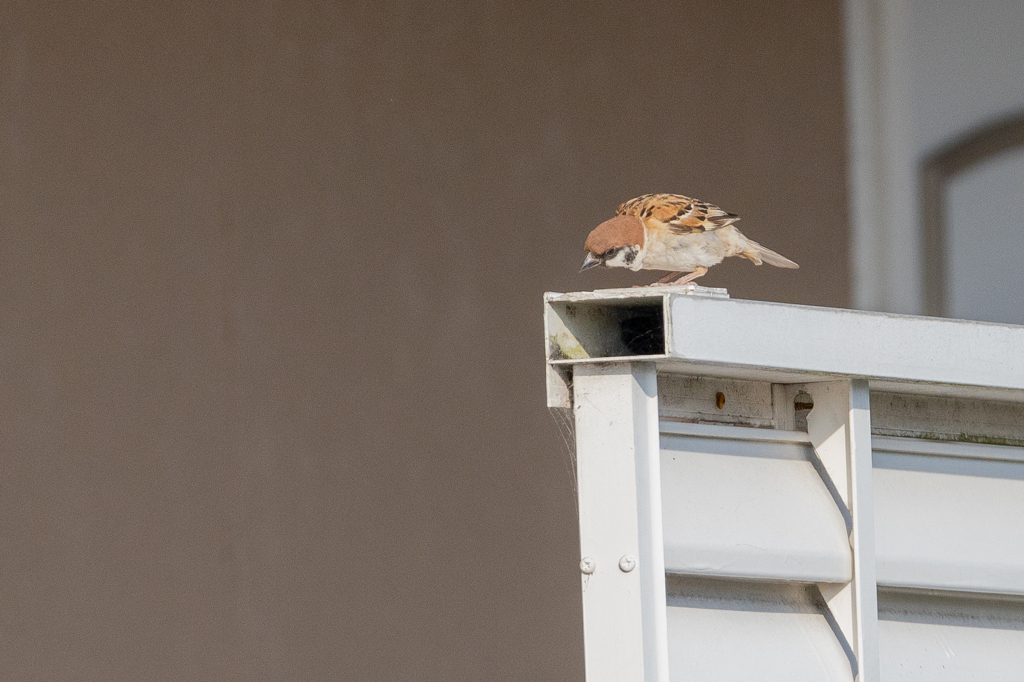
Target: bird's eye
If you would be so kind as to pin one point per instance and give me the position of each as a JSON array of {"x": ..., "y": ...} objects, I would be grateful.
[{"x": 609, "y": 253}]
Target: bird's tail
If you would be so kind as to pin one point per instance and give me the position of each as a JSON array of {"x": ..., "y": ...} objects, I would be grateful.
[{"x": 758, "y": 253}]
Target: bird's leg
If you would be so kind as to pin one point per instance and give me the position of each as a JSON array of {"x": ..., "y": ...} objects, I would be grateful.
[
  {"x": 667, "y": 278},
  {"x": 700, "y": 270}
]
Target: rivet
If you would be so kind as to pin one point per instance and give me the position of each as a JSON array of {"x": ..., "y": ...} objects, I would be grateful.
[
  {"x": 588, "y": 565},
  {"x": 627, "y": 563}
]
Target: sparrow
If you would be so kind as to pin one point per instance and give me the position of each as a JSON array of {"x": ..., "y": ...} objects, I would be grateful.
[{"x": 672, "y": 232}]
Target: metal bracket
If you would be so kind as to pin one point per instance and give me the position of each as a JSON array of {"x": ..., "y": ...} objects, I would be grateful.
[{"x": 839, "y": 426}]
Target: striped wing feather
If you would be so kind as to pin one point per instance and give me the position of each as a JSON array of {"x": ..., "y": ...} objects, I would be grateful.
[{"x": 679, "y": 214}]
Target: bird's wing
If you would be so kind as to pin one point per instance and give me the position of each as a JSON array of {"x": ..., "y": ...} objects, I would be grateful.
[{"x": 677, "y": 213}]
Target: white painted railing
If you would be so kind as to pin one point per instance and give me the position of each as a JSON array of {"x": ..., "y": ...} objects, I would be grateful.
[{"x": 779, "y": 492}]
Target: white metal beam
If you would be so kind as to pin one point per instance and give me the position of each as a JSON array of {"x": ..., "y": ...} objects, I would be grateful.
[
  {"x": 782, "y": 343},
  {"x": 621, "y": 540},
  {"x": 755, "y": 334}
]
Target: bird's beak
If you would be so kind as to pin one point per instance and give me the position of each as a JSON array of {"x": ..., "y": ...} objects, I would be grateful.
[{"x": 591, "y": 261}]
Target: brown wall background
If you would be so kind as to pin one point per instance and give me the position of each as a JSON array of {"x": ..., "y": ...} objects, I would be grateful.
[{"x": 272, "y": 400}]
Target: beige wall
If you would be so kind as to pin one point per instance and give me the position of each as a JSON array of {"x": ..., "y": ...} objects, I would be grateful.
[{"x": 272, "y": 400}]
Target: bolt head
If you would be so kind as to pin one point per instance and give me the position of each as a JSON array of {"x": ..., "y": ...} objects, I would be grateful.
[
  {"x": 627, "y": 563},
  {"x": 587, "y": 565}
]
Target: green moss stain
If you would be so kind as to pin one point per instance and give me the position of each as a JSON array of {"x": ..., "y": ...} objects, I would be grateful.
[
  {"x": 565, "y": 347},
  {"x": 952, "y": 437}
]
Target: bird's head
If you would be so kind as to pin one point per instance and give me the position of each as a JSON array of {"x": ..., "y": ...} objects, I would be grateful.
[{"x": 615, "y": 243}]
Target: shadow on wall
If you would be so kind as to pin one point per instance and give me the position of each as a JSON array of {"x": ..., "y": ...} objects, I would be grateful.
[{"x": 271, "y": 330}]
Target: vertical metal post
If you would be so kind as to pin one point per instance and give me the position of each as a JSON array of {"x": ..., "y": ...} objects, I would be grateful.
[
  {"x": 840, "y": 431},
  {"x": 621, "y": 541}
]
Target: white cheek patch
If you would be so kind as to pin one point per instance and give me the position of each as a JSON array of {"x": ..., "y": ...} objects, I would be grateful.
[
  {"x": 618, "y": 260},
  {"x": 641, "y": 251},
  {"x": 626, "y": 257}
]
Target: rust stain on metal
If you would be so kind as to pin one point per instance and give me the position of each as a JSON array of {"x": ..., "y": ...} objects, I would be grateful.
[{"x": 803, "y": 402}]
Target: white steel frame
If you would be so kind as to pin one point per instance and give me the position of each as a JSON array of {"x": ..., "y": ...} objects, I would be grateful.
[
  {"x": 623, "y": 558},
  {"x": 839, "y": 356}
]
